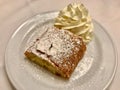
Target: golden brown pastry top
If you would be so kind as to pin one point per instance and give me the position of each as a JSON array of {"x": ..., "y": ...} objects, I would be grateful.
[
  {"x": 60, "y": 48},
  {"x": 58, "y": 43}
]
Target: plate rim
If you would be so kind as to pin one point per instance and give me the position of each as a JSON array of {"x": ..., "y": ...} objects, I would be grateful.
[{"x": 116, "y": 55}]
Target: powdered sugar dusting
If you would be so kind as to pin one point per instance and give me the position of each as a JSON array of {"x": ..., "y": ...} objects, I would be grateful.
[{"x": 57, "y": 43}]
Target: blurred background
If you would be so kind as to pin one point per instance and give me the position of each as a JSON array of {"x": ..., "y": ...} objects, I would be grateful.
[{"x": 14, "y": 12}]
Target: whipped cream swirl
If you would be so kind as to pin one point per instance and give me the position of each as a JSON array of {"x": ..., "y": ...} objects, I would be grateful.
[{"x": 75, "y": 18}]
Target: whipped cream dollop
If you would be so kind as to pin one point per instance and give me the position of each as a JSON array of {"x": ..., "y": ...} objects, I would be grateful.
[{"x": 75, "y": 18}]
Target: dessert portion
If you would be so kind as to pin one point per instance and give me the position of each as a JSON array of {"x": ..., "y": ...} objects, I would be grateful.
[
  {"x": 75, "y": 18},
  {"x": 57, "y": 50}
]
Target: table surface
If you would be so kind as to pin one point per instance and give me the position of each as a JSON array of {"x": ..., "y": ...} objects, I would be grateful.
[{"x": 15, "y": 12}]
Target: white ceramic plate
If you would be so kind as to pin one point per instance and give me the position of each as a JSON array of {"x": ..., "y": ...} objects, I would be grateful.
[{"x": 94, "y": 72}]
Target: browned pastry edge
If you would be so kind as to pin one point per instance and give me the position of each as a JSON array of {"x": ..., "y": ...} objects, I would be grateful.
[{"x": 71, "y": 62}]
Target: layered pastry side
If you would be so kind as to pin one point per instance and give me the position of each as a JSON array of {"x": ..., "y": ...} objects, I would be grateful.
[{"x": 59, "y": 51}]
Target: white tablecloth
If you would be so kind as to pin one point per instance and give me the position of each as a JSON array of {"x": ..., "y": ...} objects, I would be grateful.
[{"x": 15, "y": 12}]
